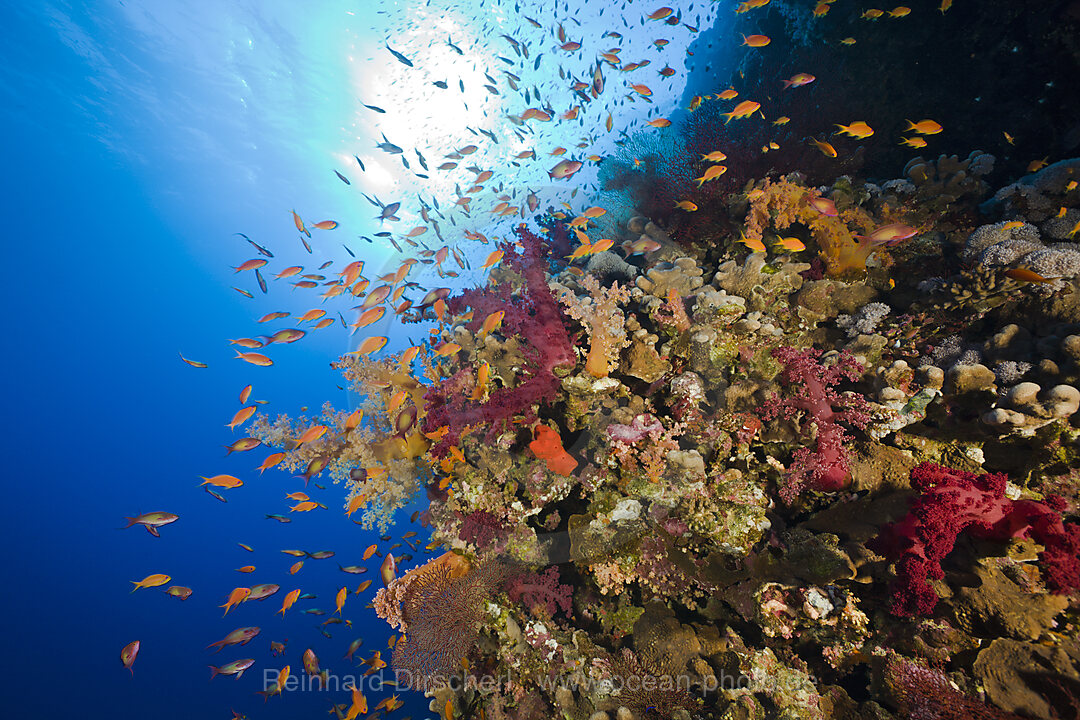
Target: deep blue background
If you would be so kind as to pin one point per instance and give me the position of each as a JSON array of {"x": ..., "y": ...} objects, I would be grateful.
[{"x": 102, "y": 419}]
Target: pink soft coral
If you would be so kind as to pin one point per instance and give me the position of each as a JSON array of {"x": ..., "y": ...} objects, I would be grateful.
[
  {"x": 812, "y": 397},
  {"x": 541, "y": 590},
  {"x": 951, "y": 501}
]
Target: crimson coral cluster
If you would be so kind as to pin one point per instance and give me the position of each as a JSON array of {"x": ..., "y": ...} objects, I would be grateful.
[
  {"x": 813, "y": 398},
  {"x": 531, "y": 313},
  {"x": 952, "y": 501}
]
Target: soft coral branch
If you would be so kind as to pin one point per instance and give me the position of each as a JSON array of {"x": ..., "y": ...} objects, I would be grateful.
[
  {"x": 952, "y": 501},
  {"x": 532, "y": 314},
  {"x": 812, "y": 397}
]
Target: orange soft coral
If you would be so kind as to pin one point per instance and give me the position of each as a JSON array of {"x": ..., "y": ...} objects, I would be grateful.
[{"x": 780, "y": 204}]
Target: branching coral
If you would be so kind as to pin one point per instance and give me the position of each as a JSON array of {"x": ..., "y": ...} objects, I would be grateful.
[
  {"x": 643, "y": 446},
  {"x": 361, "y": 448},
  {"x": 541, "y": 590},
  {"x": 781, "y": 204},
  {"x": 602, "y": 318}
]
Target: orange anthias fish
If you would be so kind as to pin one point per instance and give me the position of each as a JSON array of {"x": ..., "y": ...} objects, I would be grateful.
[
  {"x": 155, "y": 580},
  {"x": 325, "y": 225},
  {"x": 251, "y": 265},
  {"x": 299, "y": 224},
  {"x": 712, "y": 173},
  {"x": 193, "y": 363},
  {"x": 798, "y": 80},
  {"x": 359, "y": 704},
  {"x": 824, "y": 206},
  {"x": 1027, "y": 275},
  {"x": 152, "y": 521},
  {"x": 243, "y": 445},
  {"x": 289, "y": 600},
  {"x": 756, "y": 41},
  {"x": 547, "y": 445},
  {"x": 241, "y": 417},
  {"x": 270, "y": 462},
  {"x": 279, "y": 684},
  {"x": 223, "y": 481},
  {"x": 824, "y": 147},
  {"x": 754, "y": 244},
  {"x": 237, "y": 596},
  {"x": 339, "y": 601},
  {"x": 128, "y": 655},
  {"x": 255, "y": 358},
  {"x": 492, "y": 322},
  {"x": 353, "y": 647},
  {"x": 369, "y": 552},
  {"x": 743, "y": 110},
  {"x": 564, "y": 170},
  {"x": 857, "y": 129},
  {"x": 889, "y": 234},
  {"x": 492, "y": 260},
  {"x": 791, "y": 244},
  {"x": 239, "y": 636},
  {"x": 236, "y": 667},
  {"x": 371, "y": 345},
  {"x": 312, "y": 434},
  {"x": 924, "y": 127}
]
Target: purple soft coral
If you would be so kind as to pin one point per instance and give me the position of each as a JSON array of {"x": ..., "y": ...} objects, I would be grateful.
[
  {"x": 813, "y": 397},
  {"x": 541, "y": 591},
  {"x": 534, "y": 317},
  {"x": 951, "y": 501}
]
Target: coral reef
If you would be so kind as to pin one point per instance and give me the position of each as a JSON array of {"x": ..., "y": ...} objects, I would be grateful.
[{"x": 831, "y": 475}]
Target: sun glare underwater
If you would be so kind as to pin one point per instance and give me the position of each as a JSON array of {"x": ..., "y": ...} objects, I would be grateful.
[{"x": 530, "y": 360}]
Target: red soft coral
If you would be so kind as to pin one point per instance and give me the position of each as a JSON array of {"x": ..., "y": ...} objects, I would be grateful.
[
  {"x": 951, "y": 501},
  {"x": 813, "y": 398},
  {"x": 532, "y": 315}
]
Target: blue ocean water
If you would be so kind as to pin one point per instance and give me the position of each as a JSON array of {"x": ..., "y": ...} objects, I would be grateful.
[
  {"x": 153, "y": 147},
  {"x": 140, "y": 138}
]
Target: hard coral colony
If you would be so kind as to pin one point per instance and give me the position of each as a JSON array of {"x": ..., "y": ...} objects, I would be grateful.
[{"x": 814, "y": 427}]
